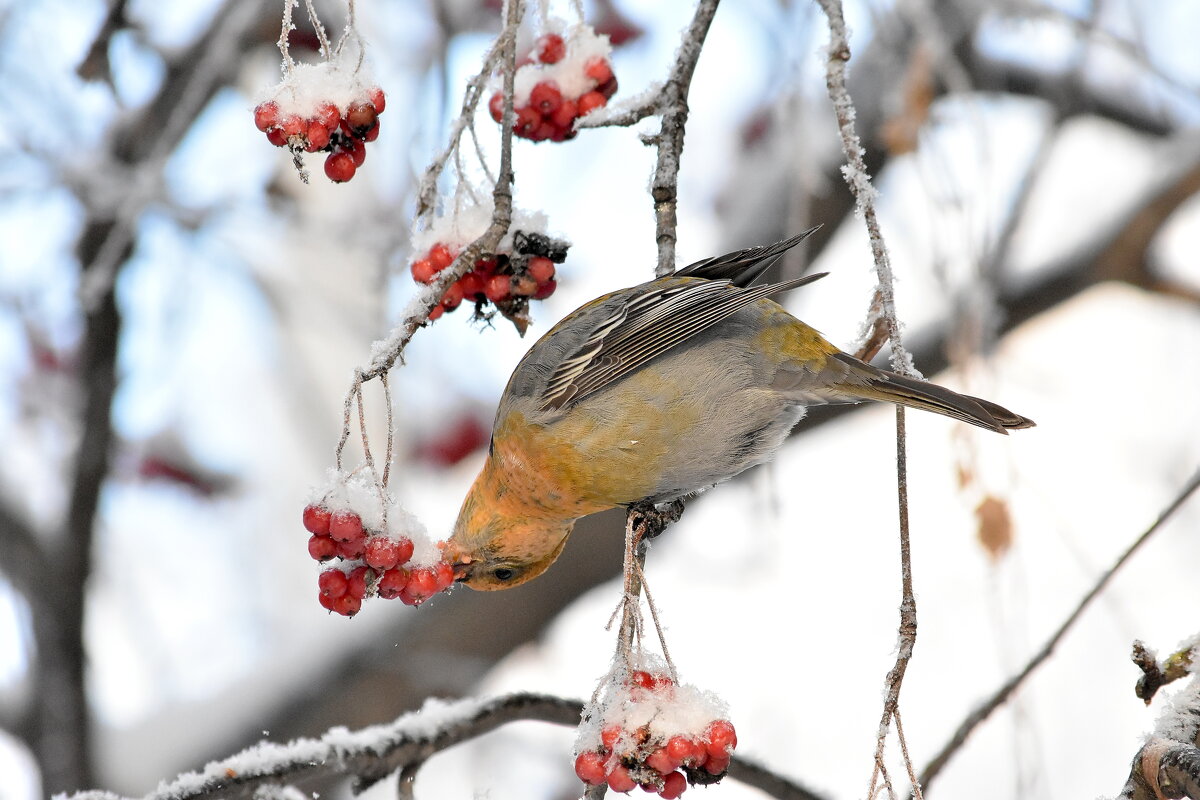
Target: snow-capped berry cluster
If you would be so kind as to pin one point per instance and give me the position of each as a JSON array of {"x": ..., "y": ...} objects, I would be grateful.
[
  {"x": 651, "y": 732},
  {"x": 522, "y": 269},
  {"x": 497, "y": 279},
  {"x": 563, "y": 78},
  {"x": 392, "y": 560},
  {"x": 320, "y": 108}
]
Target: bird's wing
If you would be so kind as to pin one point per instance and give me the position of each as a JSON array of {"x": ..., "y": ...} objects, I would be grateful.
[
  {"x": 741, "y": 267},
  {"x": 649, "y": 324}
]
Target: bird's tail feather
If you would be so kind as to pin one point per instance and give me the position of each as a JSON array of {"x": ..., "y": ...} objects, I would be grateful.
[{"x": 889, "y": 386}]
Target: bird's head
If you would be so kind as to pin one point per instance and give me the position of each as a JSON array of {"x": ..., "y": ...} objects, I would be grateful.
[{"x": 492, "y": 550}]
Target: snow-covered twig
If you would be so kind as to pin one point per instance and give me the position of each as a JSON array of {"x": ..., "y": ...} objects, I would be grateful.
[
  {"x": 1004, "y": 692},
  {"x": 664, "y": 189},
  {"x": 1175, "y": 666},
  {"x": 883, "y": 313},
  {"x": 387, "y": 351},
  {"x": 372, "y": 754}
]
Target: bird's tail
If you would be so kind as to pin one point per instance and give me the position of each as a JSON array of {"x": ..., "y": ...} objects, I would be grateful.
[{"x": 883, "y": 385}]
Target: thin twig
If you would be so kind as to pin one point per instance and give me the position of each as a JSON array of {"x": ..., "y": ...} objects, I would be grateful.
[
  {"x": 883, "y": 307},
  {"x": 1002, "y": 694},
  {"x": 664, "y": 189}
]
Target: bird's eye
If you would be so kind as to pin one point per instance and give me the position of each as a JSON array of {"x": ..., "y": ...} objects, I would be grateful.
[{"x": 504, "y": 573}]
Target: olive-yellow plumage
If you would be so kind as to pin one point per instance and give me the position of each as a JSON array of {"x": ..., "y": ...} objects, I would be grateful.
[{"x": 653, "y": 393}]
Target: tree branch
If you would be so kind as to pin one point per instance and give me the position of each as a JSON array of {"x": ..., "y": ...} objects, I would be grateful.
[
  {"x": 1002, "y": 695},
  {"x": 372, "y": 754}
]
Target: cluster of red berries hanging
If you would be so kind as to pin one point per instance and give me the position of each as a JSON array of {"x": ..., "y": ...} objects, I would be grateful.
[
  {"x": 566, "y": 75},
  {"x": 395, "y": 559},
  {"x": 507, "y": 280},
  {"x": 651, "y": 732},
  {"x": 318, "y": 109}
]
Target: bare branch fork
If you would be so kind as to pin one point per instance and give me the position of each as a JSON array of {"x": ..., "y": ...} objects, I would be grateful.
[{"x": 882, "y": 317}]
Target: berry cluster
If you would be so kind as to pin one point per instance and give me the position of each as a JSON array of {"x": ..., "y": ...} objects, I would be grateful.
[
  {"x": 342, "y": 131},
  {"x": 507, "y": 280},
  {"x": 374, "y": 564},
  {"x": 560, "y": 81},
  {"x": 660, "y": 761}
]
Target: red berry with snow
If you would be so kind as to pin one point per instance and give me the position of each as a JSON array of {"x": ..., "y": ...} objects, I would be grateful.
[
  {"x": 392, "y": 583},
  {"x": 423, "y": 271},
  {"x": 721, "y": 738},
  {"x": 551, "y": 48},
  {"x": 545, "y": 98},
  {"x": 265, "y": 116},
  {"x": 498, "y": 288},
  {"x": 378, "y": 99},
  {"x": 598, "y": 69},
  {"x": 356, "y": 581},
  {"x": 381, "y": 552},
  {"x": 333, "y": 582},
  {"x": 673, "y": 786},
  {"x": 685, "y": 750},
  {"x": 440, "y": 256},
  {"x": 340, "y": 167},
  {"x": 619, "y": 780},
  {"x": 322, "y": 548},
  {"x": 590, "y": 102},
  {"x": 591, "y": 768},
  {"x": 318, "y": 136},
  {"x": 662, "y": 761},
  {"x": 316, "y": 519},
  {"x": 345, "y": 526}
]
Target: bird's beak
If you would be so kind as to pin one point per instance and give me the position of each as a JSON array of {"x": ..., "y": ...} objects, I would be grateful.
[{"x": 459, "y": 561}]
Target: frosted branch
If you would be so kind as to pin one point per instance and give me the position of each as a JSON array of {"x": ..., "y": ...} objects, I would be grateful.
[
  {"x": 1002, "y": 695},
  {"x": 372, "y": 754},
  {"x": 883, "y": 315}
]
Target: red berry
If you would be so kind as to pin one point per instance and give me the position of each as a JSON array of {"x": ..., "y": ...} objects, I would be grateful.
[
  {"x": 372, "y": 133},
  {"x": 436, "y": 312},
  {"x": 639, "y": 677},
  {"x": 345, "y": 526},
  {"x": 550, "y": 48},
  {"x": 265, "y": 116},
  {"x": 423, "y": 584},
  {"x": 333, "y": 582},
  {"x": 340, "y": 167},
  {"x": 685, "y": 750},
  {"x": 545, "y": 97},
  {"x": 329, "y": 116},
  {"x": 523, "y": 285},
  {"x": 619, "y": 780},
  {"x": 347, "y": 605},
  {"x": 293, "y": 125},
  {"x": 498, "y": 287},
  {"x": 444, "y": 574},
  {"x": 360, "y": 117},
  {"x": 321, "y": 548},
  {"x": 590, "y": 767},
  {"x": 350, "y": 550},
  {"x": 316, "y": 519},
  {"x": 485, "y": 267},
  {"x": 566, "y": 114},
  {"x": 381, "y": 552},
  {"x": 378, "y": 99},
  {"x": 540, "y": 268},
  {"x": 356, "y": 581},
  {"x": 357, "y": 151},
  {"x": 673, "y": 786},
  {"x": 546, "y": 130},
  {"x": 545, "y": 290},
  {"x": 715, "y": 766},
  {"x": 590, "y": 102},
  {"x": 452, "y": 299},
  {"x": 598, "y": 69},
  {"x": 318, "y": 136},
  {"x": 609, "y": 87},
  {"x": 496, "y": 106},
  {"x": 392, "y": 583},
  {"x": 609, "y": 737},
  {"x": 404, "y": 550},
  {"x": 721, "y": 738},
  {"x": 440, "y": 256},
  {"x": 527, "y": 122},
  {"x": 423, "y": 271},
  {"x": 662, "y": 761},
  {"x": 471, "y": 284},
  {"x": 326, "y": 601},
  {"x": 275, "y": 136}
]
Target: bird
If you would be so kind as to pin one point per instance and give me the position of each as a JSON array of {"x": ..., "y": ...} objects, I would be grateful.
[{"x": 654, "y": 393}]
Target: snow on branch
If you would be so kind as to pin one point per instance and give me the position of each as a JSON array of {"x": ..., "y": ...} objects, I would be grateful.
[{"x": 372, "y": 754}]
